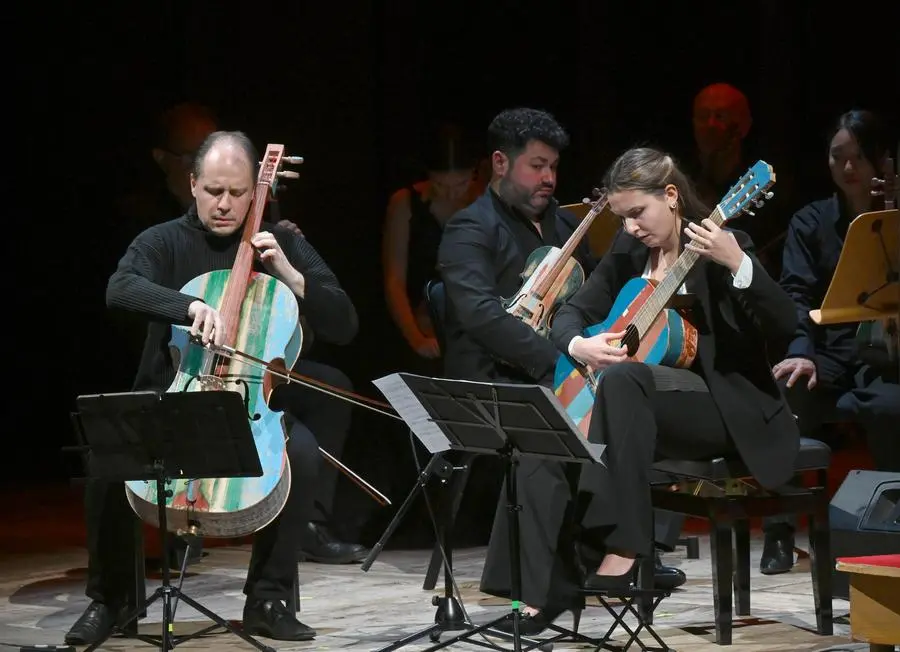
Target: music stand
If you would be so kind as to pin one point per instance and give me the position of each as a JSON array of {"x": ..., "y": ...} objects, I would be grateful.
[
  {"x": 158, "y": 437},
  {"x": 509, "y": 420},
  {"x": 866, "y": 281}
]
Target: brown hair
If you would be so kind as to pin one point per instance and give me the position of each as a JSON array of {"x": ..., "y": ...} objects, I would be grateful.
[{"x": 651, "y": 170}]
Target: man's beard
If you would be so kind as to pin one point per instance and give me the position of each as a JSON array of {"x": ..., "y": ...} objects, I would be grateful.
[{"x": 518, "y": 197}]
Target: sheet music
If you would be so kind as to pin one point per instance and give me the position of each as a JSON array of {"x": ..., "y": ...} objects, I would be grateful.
[{"x": 411, "y": 410}]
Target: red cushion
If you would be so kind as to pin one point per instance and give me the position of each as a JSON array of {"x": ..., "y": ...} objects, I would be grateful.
[{"x": 873, "y": 560}]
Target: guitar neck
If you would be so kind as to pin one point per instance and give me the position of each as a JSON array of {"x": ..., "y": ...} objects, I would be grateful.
[
  {"x": 668, "y": 287},
  {"x": 569, "y": 247}
]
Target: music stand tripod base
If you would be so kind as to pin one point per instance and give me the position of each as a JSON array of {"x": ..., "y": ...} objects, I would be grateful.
[
  {"x": 158, "y": 437},
  {"x": 507, "y": 420}
]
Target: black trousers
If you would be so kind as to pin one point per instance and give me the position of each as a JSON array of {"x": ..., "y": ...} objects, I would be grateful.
[
  {"x": 641, "y": 413},
  {"x": 273, "y": 563},
  {"x": 859, "y": 395},
  {"x": 327, "y": 417}
]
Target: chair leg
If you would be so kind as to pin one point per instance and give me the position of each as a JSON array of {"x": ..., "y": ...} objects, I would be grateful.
[
  {"x": 692, "y": 545},
  {"x": 139, "y": 598},
  {"x": 720, "y": 547},
  {"x": 742, "y": 567},
  {"x": 820, "y": 564}
]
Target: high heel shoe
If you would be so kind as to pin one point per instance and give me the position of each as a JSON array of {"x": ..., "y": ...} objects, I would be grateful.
[
  {"x": 533, "y": 624},
  {"x": 594, "y": 582}
]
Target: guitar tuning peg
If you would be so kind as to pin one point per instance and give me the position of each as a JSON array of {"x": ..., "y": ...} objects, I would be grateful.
[
  {"x": 596, "y": 192},
  {"x": 288, "y": 174},
  {"x": 750, "y": 213},
  {"x": 293, "y": 160},
  {"x": 586, "y": 200},
  {"x": 769, "y": 195}
]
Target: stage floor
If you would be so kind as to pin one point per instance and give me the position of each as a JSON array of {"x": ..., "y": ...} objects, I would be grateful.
[{"x": 41, "y": 595}]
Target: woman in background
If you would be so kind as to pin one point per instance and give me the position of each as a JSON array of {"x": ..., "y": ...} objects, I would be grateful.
[{"x": 413, "y": 225}]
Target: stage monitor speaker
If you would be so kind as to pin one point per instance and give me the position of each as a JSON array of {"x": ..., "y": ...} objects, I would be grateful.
[{"x": 864, "y": 518}]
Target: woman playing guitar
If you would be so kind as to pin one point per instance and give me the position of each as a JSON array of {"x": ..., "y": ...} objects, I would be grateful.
[{"x": 725, "y": 401}]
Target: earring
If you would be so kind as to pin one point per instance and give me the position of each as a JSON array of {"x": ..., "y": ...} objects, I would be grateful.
[{"x": 672, "y": 206}]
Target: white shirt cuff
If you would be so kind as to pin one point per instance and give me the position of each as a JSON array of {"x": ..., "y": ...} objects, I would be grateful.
[
  {"x": 744, "y": 275},
  {"x": 572, "y": 346}
]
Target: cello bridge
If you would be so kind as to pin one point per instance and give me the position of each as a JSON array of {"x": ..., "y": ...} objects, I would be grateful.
[{"x": 211, "y": 383}]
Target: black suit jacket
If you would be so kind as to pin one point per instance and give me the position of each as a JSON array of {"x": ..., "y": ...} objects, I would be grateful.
[
  {"x": 734, "y": 326},
  {"x": 482, "y": 255},
  {"x": 811, "y": 252}
]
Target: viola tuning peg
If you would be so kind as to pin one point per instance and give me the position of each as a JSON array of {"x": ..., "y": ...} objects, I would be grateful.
[{"x": 293, "y": 160}]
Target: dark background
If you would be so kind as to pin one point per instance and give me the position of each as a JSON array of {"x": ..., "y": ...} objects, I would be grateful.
[{"x": 354, "y": 87}]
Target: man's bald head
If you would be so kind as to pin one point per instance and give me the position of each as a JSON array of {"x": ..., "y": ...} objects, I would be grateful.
[{"x": 721, "y": 117}]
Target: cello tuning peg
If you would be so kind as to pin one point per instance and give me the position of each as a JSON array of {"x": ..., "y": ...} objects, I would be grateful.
[
  {"x": 288, "y": 174},
  {"x": 293, "y": 160}
]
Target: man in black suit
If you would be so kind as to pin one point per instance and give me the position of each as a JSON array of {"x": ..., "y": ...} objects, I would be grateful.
[{"x": 482, "y": 255}]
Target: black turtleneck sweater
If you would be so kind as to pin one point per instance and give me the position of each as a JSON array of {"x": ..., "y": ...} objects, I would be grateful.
[{"x": 164, "y": 257}]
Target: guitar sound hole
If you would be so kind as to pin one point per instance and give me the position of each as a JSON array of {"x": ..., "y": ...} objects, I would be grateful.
[{"x": 632, "y": 340}]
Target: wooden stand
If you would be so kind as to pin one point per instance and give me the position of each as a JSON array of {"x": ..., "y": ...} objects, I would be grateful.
[{"x": 874, "y": 600}]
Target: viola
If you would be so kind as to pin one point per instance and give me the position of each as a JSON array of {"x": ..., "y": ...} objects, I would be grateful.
[
  {"x": 261, "y": 317},
  {"x": 551, "y": 276},
  {"x": 654, "y": 332}
]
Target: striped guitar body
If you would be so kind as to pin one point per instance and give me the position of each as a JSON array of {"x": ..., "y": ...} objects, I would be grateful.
[
  {"x": 670, "y": 341},
  {"x": 233, "y": 507}
]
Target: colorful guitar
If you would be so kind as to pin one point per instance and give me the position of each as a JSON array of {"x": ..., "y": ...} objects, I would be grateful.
[
  {"x": 551, "y": 276},
  {"x": 654, "y": 333}
]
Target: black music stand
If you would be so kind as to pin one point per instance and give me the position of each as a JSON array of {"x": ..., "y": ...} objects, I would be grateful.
[
  {"x": 162, "y": 436},
  {"x": 508, "y": 420}
]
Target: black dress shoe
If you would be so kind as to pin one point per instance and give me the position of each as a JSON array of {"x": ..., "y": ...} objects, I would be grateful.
[
  {"x": 271, "y": 618},
  {"x": 667, "y": 577},
  {"x": 93, "y": 625},
  {"x": 319, "y": 545},
  {"x": 778, "y": 550},
  {"x": 534, "y": 624},
  {"x": 599, "y": 583}
]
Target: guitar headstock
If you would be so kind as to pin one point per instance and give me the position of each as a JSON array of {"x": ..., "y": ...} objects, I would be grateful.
[
  {"x": 751, "y": 189},
  {"x": 271, "y": 167}
]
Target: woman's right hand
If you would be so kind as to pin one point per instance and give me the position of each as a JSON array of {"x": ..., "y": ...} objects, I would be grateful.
[{"x": 600, "y": 351}]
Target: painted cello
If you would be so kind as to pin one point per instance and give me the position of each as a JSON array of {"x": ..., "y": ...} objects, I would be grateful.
[
  {"x": 551, "y": 276},
  {"x": 261, "y": 316},
  {"x": 654, "y": 333}
]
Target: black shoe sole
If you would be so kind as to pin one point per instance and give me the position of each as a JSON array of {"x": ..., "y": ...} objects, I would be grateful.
[{"x": 265, "y": 631}]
